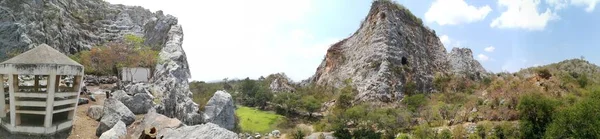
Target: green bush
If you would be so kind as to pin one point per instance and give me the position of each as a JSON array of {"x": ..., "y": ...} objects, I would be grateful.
[
  {"x": 535, "y": 112},
  {"x": 342, "y": 133},
  {"x": 445, "y": 134},
  {"x": 299, "y": 133},
  {"x": 577, "y": 121},
  {"x": 414, "y": 102},
  {"x": 423, "y": 132}
]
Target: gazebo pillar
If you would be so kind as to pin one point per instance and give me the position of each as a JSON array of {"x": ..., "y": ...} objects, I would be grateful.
[
  {"x": 51, "y": 88},
  {"x": 2, "y": 99},
  {"x": 11, "y": 92}
]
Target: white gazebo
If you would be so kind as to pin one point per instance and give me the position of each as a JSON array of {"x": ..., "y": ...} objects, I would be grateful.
[{"x": 34, "y": 102}]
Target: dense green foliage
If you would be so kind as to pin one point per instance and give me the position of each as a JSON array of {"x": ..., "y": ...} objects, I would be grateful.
[
  {"x": 577, "y": 121},
  {"x": 253, "y": 94},
  {"x": 536, "y": 114}
]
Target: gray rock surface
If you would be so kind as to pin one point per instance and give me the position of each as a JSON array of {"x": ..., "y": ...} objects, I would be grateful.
[
  {"x": 75, "y": 25},
  {"x": 139, "y": 103},
  {"x": 390, "y": 49},
  {"x": 321, "y": 135},
  {"x": 114, "y": 111},
  {"x": 95, "y": 112},
  {"x": 280, "y": 83},
  {"x": 136, "y": 88},
  {"x": 462, "y": 62},
  {"x": 153, "y": 119},
  {"x": 116, "y": 132},
  {"x": 220, "y": 110},
  {"x": 170, "y": 81},
  {"x": 203, "y": 131}
]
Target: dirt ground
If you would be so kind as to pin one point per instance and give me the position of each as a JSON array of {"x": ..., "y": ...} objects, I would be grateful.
[{"x": 84, "y": 127}]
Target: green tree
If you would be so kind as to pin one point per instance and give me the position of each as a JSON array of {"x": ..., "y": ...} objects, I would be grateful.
[
  {"x": 254, "y": 95},
  {"x": 310, "y": 104},
  {"x": 577, "y": 121},
  {"x": 535, "y": 114}
]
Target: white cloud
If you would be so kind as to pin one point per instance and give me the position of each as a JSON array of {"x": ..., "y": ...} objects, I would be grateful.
[
  {"x": 523, "y": 14},
  {"x": 490, "y": 49},
  {"x": 246, "y": 39},
  {"x": 452, "y": 12},
  {"x": 591, "y": 4},
  {"x": 483, "y": 57},
  {"x": 557, "y": 4},
  {"x": 448, "y": 43}
]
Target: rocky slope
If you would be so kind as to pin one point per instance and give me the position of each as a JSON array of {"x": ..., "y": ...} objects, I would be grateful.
[
  {"x": 462, "y": 62},
  {"x": 391, "y": 50},
  {"x": 75, "y": 25}
]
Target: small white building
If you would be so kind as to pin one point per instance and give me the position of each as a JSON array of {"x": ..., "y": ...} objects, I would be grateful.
[
  {"x": 136, "y": 74},
  {"x": 41, "y": 107}
]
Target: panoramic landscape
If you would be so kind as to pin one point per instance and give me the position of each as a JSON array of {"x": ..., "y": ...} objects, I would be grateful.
[{"x": 295, "y": 69}]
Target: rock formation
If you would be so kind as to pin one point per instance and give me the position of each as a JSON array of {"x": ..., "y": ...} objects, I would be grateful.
[
  {"x": 203, "y": 131},
  {"x": 220, "y": 110},
  {"x": 462, "y": 62},
  {"x": 280, "y": 83},
  {"x": 114, "y": 111},
  {"x": 139, "y": 103},
  {"x": 75, "y": 25},
  {"x": 117, "y": 132},
  {"x": 153, "y": 119},
  {"x": 391, "y": 49},
  {"x": 95, "y": 112},
  {"x": 170, "y": 81}
]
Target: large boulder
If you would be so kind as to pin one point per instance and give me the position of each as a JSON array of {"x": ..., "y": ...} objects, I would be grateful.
[
  {"x": 203, "y": 131},
  {"x": 153, "y": 119},
  {"x": 136, "y": 88},
  {"x": 114, "y": 111},
  {"x": 138, "y": 104},
  {"x": 220, "y": 110},
  {"x": 117, "y": 132},
  {"x": 95, "y": 112},
  {"x": 170, "y": 81}
]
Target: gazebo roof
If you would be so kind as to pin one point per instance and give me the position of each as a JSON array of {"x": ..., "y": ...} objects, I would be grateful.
[{"x": 42, "y": 54}]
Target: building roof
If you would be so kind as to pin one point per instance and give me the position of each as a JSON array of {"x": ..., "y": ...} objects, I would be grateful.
[{"x": 42, "y": 54}]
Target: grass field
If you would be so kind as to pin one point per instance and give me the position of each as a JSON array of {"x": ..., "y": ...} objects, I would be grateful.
[{"x": 253, "y": 120}]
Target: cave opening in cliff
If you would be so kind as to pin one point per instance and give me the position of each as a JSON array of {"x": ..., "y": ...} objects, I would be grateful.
[
  {"x": 404, "y": 61},
  {"x": 382, "y": 15}
]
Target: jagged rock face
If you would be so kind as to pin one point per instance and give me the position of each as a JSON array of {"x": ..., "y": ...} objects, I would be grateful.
[
  {"x": 114, "y": 111},
  {"x": 170, "y": 81},
  {"x": 75, "y": 25},
  {"x": 139, "y": 103},
  {"x": 153, "y": 119},
  {"x": 203, "y": 131},
  {"x": 390, "y": 49},
  {"x": 220, "y": 110},
  {"x": 280, "y": 83},
  {"x": 462, "y": 62},
  {"x": 116, "y": 132}
]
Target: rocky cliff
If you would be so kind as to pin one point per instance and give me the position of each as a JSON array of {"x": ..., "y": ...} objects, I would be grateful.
[
  {"x": 74, "y": 25},
  {"x": 462, "y": 63},
  {"x": 390, "y": 54},
  {"x": 390, "y": 49}
]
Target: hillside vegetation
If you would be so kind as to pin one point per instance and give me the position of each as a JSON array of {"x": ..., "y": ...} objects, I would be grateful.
[{"x": 537, "y": 102}]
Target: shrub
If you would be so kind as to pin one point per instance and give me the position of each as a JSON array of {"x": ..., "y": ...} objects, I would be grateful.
[
  {"x": 445, "y": 134},
  {"x": 544, "y": 73},
  {"x": 364, "y": 133},
  {"x": 424, "y": 132},
  {"x": 414, "y": 102},
  {"x": 459, "y": 132},
  {"x": 535, "y": 114},
  {"x": 299, "y": 133},
  {"x": 577, "y": 121},
  {"x": 342, "y": 133}
]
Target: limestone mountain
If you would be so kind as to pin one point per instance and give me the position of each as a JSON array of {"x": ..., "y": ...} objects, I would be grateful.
[
  {"x": 75, "y": 25},
  {"x": 390, "y": 55},
  {"x": 462, "y": 62}
]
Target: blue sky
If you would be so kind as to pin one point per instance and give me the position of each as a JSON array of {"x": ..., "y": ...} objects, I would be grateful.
[{"x": 240, "y": 38}]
